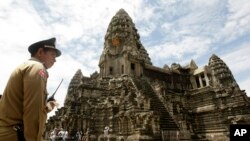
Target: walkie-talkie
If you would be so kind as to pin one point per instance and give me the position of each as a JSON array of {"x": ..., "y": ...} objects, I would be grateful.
[{"x": 52, "y": 97}]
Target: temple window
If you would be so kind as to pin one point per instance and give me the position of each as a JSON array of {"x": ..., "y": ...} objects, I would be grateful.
[
  {"x": 122, "y": 69},
  {"x": 132, "y": 66},
  {"x": 197, "y": 82},
  {"x": 203, "y": 79},
  {"x": 111, "y": 70}
]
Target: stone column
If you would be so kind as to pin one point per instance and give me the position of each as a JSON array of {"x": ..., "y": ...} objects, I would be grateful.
[
  {"x": 206, "y": 78},
  {"x": 193, "y": 81},
  {"x": 200, "y": 81},
  {"x": 126, "y": 65}
]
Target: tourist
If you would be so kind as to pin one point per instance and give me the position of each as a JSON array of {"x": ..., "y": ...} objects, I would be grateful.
[
  {"x": 23, "y": 105},
  {"x": 79, "y": 135},
  {"x": 53, "y": 134},
  {"x": 86, "y": 135},
  {"x": 65, "y": 135},
  {"x": 106, "y": 133},
  {"x": 61, "y": 133}
]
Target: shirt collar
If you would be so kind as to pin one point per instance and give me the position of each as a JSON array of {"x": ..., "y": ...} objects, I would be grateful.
[{"x": 35, "y": 59}]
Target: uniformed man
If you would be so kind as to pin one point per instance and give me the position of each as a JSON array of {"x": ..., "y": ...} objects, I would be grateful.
[{"x": 24, "y": 105}]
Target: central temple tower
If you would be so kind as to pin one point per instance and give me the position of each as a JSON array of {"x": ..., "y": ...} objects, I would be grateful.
[{"x": 123, "y": 52}]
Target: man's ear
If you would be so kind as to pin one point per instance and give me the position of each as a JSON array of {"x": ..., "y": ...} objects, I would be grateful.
[{"x": 40, "y": 51}]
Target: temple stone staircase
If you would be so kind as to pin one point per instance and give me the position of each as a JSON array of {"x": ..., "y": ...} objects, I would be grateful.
[{"x": 166, "y": 121}]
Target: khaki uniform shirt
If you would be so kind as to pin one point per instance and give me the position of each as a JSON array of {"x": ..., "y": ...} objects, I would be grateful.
[{"x": 24, "y": 102}]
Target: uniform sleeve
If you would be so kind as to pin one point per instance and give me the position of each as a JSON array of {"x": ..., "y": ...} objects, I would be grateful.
[{"x": 34, "y": 114}]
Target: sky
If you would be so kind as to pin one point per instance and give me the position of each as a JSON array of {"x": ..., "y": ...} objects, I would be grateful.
[{"x": 172, "y": 31}]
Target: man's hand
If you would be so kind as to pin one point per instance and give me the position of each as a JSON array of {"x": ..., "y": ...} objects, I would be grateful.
[{"x": 51, "y": 105}]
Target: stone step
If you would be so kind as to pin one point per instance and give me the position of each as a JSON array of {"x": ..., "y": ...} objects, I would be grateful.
[{"x": 166, "y": 121}]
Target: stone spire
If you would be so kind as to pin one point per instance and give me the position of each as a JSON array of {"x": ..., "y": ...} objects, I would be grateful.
[
  {"x": 73, "y": 86},
  {"x": 122, "y": 37},
  {"x": 221, "y": 74},
  {"x": 122, "y": 41}
]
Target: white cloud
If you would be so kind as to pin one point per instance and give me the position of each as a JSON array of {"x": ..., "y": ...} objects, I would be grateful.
[
  {"x": 244, "y": 85},
  {"x": 238, "y": 59},
  {"x": 238, "y": 20},
  {"x": 238, "y": 9},
  {"x": 9, "y": 60},
  {"x": 177, "y": 50}
]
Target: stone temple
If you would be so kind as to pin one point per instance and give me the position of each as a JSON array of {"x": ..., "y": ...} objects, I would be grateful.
[{"x": 138, "y": 101}]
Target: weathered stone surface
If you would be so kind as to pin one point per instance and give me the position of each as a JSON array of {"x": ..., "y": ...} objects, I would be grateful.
[{"x": 141, "y": 102}]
